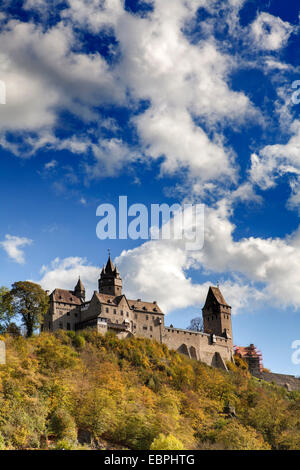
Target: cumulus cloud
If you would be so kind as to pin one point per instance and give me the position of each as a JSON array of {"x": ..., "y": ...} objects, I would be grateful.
[
  {"x": 13, "y": 246},
  {"x": 262, "y": 269},
  {"x": 270, "y": 32},
  {"x": 274, "y": 161},
  {"x": 64, "y": 273},
  {"x": 252, "y": 270},
  {"x": 184, "y": 83},
  {"x": 43, "y": 76}
]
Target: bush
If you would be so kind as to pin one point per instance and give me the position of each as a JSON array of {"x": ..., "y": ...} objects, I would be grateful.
[
  {"x": 79, "y": 342},
  {"x": 169, "y": 442},
  {"x": 62, "y": 425}
]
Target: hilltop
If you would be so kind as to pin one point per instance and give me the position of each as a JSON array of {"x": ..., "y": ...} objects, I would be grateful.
[{"x": 71, "y": 391}]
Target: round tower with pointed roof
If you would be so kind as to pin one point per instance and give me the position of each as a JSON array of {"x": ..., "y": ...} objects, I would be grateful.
[
  {"x": 110, "y": 281},
  {"x": 79, "y": 290}
]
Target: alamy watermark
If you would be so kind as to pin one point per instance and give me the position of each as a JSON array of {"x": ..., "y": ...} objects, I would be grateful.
[
  {"x": 163, "y": 222},
  {"x": 296, "y": 354},
  {"x": 296, "y": 94},
  {"x": 2, "y": 92}
]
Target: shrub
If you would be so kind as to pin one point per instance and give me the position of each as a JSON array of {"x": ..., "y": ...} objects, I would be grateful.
[{"x": 169, "y": 442}]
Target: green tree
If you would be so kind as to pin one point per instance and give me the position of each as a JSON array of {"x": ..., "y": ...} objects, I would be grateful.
[
  {"x": 31, "y": 302},
  {"x": 7, "y": 311},
  {"x": 169, "y": 442}
]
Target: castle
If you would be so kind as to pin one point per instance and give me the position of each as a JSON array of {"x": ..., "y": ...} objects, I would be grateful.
[{"x": 109, "y": 309}]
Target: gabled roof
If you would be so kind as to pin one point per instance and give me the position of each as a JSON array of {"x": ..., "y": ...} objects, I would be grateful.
[
  {"x": 110, "y": 299},
  {"x": 215, "y": 295},
  {"x": 147, "y": 307},
  {"x": 136, "y": 305},
  {"x": 66, "y": 296}
]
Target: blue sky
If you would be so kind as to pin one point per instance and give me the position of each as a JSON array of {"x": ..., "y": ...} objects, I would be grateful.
[{"x": 189, "y": 103}]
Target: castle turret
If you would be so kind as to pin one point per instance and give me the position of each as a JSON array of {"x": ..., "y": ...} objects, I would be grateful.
[
  {"x": 217, "y": 314},
  {"x": 79, "y": 290},
  {"x": 110, "y": 281}
]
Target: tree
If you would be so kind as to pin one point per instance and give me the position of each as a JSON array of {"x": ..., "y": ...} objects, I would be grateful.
[
  {"x": 169, "y": 442},
  {"x": 196, "y": 324},
  {"x": 7, "y": 311},
  {"x": 31, "y": 302}
]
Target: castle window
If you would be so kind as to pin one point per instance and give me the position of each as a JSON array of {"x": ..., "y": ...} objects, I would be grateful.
[
  {"x": 107, "y": 309},
  {"x": 151, "y": 329},
  {"x": 68, "y": 326},
  {"x": 146, "y": 317},
  {"x": 145, "y": 327},
  {"x": 68, "y": 314},
  {"x": 127, "y": 314},
  {"x": 115, "y": 311},
  {"x": 60, "y": 324},
  {"x": 121, "y": 312},
  {"x": 135, "y": 315}
]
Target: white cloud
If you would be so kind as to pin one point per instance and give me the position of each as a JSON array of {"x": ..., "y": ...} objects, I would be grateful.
[
  {"x": 270, "y": 32},
  {"x": 274, "y": 161},
  {"x": 182, "y": 80},
  {"x": 50, "y": 165},
  {"x": 43, "y": 76},
  {"x": 63, "y": 274},
  {"x": 185, "y": 83},
  {"x": 110, "y": 157},
  {"x": 13, "y": 246},
  {"x": 261, "y": 270}
]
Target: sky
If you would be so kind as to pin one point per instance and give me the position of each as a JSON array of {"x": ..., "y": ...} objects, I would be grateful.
[{"x": 188, "y": 102}]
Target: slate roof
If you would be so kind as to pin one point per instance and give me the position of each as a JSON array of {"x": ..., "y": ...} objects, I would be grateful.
[
  {"x": 66, "y": 296},
  {"x": 79, "y": 286},
  {"x": 218, "y": 295},
  {"x": 136, "y": 305}
]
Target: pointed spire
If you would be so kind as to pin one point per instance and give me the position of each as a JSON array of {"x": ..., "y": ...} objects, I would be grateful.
[
  {"x": 79, "y": 286},
  {"x": 109, "y": 266},
  {"x": 79, "y": 290}
]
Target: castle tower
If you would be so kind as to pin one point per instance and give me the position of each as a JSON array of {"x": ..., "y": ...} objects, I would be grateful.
[
  {"x": 217, "y": 314},
  {"x": 79, "y": 290},
  {"x": 110, "y": 281}
]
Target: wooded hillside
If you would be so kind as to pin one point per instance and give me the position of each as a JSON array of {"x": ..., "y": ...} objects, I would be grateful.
[{"x": 71, "y": 391}]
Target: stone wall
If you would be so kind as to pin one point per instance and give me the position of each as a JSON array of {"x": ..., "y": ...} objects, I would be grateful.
[
  {"x": 290, "y": 382},
  {"x": 200, "y": 346}
]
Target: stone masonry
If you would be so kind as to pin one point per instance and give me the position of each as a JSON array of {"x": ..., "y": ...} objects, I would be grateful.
[{"x": 109, "y": 309}]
